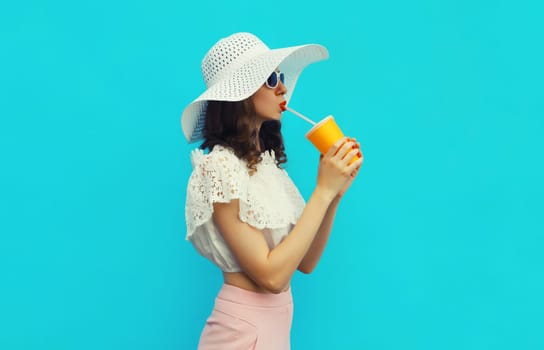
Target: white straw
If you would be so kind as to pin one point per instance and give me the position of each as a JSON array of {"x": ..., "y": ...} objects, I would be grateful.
[{"x": 300, "y": 115}]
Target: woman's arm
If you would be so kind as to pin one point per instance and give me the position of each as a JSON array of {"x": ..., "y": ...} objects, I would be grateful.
[
  {"x": 310, "y": 260},
  {"x": 273, "y": 269},
  {"x": 270, "y": 269}
]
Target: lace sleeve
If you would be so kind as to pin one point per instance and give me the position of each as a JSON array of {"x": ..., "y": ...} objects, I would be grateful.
[{"x": 218, "y": 177}]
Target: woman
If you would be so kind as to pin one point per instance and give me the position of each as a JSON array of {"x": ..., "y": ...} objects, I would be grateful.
[{"x": 243, "y": 211}]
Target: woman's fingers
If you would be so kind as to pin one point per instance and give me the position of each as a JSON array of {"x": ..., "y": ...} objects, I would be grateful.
[
  {"x": 344, "y": 150},
  {"x": 335, "y": 147},
  {"x": 339, "y": 165},
  {"x": 354, "y": 167},
  {"x": 351, "y": 155},
  {"x": 356, "y": 151}
]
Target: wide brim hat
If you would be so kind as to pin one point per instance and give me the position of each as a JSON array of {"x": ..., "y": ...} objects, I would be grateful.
[{"x": 237, "y": 66}]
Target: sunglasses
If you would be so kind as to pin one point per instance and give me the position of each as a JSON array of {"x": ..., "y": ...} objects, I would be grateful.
[{"x": 274, "y": 79}]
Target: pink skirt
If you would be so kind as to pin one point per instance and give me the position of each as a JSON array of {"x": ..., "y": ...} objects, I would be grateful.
[{"x": 242, "y": 320}]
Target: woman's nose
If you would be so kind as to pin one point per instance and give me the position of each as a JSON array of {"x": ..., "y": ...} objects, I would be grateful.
[{"x": 281, "y": 89}]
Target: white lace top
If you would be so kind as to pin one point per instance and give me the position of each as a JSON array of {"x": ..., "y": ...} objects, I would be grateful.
[{"x": 268, "y": 201}]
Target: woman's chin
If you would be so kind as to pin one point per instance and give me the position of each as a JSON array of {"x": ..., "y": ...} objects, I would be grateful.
[{"x": 276, "y": 116}]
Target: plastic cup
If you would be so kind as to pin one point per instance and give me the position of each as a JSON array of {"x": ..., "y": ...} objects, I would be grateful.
[{"x": 324, "y": 134}]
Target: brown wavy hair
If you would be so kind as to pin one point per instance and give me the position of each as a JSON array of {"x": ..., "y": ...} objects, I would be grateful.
[{"x": 232, "y": 124}]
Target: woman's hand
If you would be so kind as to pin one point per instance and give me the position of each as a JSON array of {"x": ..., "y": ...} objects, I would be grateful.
[
  {"x": 335, "y": 174},
  {"x": 354, "y": 173}
]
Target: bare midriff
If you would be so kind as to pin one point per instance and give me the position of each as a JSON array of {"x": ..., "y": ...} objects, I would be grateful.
[{"x": 241, "y": 280}]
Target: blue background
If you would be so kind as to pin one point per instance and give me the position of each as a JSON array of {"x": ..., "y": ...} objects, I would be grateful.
[{"x": 437, "y": 246}]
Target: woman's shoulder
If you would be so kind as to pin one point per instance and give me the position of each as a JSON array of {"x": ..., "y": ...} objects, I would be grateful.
[
  {"x": 223, "y": 152},
  {"x": 221, "y": 156},
  {"x": 218, "y": 172}
]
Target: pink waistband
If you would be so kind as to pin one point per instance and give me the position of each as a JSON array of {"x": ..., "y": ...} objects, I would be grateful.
[{"x": 242, "y": 296}]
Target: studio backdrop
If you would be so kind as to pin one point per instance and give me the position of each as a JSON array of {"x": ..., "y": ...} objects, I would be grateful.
[{"x": 438, "y": 244}]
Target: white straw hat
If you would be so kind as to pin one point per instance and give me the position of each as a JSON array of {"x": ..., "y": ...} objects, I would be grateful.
[{"x": 237, "y": 66}]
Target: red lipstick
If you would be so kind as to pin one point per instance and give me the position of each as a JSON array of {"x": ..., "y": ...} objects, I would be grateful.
[{"x": 283, "y": 105}]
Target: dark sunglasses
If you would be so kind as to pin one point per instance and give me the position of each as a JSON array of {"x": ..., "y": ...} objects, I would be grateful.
[{"x": 273, "y": 79}]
